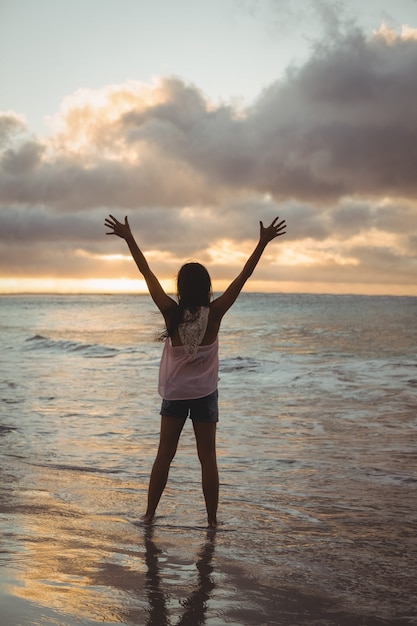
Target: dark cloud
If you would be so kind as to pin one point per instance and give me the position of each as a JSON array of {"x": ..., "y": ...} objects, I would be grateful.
[
  {"x": 28, "y": 224},
  {"x": 22, "y": 161},
  {"x": 342, "y": 124},
  {"x": 67, "y": 184},
  {"x": 10, "y": 127}
]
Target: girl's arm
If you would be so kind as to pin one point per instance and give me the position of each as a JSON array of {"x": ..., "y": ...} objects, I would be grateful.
[
  {"x": 161, "y": 299},
  {"x": 223, "y": 303}
]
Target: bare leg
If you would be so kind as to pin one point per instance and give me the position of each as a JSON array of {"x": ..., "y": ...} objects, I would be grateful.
[
  {"x": 205, "y": 434},
  {"x": 171, "y": 428}
]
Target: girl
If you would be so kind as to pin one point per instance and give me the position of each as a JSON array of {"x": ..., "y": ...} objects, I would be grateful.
[{"x": 188, "y": 372}]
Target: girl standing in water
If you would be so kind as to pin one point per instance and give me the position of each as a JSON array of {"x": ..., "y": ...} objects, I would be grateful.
[{"x": 188, "y": 372}]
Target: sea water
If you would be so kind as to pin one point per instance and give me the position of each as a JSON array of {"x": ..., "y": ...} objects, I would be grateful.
[{"x": 316, "y": 448}]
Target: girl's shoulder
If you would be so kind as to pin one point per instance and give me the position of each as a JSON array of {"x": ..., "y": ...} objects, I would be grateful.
[{"x": 215, "y": 309}]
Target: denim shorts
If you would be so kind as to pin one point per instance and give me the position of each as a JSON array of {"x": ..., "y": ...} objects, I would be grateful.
[{"x": 199, "y": 410}]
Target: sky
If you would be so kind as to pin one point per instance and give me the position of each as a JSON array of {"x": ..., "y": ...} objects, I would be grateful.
[{"x": 197, "y": 120}]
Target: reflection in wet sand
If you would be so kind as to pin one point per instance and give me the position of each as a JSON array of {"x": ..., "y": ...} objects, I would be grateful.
[
  {"x": 90, "y": 568},
  {"x": 66, "y": 566},
  {"x": 195, "y": 606}
]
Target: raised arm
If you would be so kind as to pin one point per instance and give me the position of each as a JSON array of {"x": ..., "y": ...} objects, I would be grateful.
[
  {"x": 161, "y": 299},
  {"x": 223, "y": 303}
]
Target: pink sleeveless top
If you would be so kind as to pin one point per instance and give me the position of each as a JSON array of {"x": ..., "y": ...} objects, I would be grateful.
[{"x": 185, "y": 376}]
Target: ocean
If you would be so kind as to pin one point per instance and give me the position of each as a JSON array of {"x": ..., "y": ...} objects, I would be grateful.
[{"x": 317, "y": 454}]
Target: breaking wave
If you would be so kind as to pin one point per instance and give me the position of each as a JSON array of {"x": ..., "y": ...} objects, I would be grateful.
[{"x": 39, "y": 342}]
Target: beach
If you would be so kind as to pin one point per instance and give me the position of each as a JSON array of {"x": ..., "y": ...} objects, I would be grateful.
[
  {"x": 62, "y": 565},
  {"x": 316, "y": 451}
]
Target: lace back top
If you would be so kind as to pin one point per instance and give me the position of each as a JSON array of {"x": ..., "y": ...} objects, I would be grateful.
[{"x": 193, "y": 328}]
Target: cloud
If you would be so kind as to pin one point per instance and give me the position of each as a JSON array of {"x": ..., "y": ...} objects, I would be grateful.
[
  {"x": 11, "y": 124},
  {"x": 332, "y": 146},
  {"x": 27, "y": 224},
  {"x": 342, "y": 124}
]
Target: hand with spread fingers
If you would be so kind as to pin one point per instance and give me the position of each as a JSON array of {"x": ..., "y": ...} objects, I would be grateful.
[
  {"x": 267, "y": 233},
  {"x": 118, "y": 228}
]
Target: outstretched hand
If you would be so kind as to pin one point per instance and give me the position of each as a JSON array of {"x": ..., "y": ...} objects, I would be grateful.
[
  {"x": 267, "y": 233},
  {"x": 119, "y": 229}
]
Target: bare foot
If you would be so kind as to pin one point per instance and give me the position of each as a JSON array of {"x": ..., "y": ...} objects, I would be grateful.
[
  {"x": 212, "y": 524},
  {"x": 146, "y": 520}
]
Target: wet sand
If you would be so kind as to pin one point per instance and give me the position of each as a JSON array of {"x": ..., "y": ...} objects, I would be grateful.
[{"x": 64, "y": 565}]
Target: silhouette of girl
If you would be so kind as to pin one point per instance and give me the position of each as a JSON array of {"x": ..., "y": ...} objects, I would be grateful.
[{"x": 188, "y": 373}]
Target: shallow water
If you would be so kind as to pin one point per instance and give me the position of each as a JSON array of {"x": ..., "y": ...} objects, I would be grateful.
[{"x": 317, "y": 458}]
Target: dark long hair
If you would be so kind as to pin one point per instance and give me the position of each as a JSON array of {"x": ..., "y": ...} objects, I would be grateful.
[{"x": 193, "y": 291}]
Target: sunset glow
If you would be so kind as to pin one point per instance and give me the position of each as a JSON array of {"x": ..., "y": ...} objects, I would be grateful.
[{"x": 196, "y": 153}]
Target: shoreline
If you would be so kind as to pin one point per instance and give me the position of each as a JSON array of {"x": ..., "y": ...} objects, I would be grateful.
[{"x": 65, "y": 565}]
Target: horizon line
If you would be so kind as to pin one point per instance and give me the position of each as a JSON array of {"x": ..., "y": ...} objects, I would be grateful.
[{"x": 247, "y": 293}]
